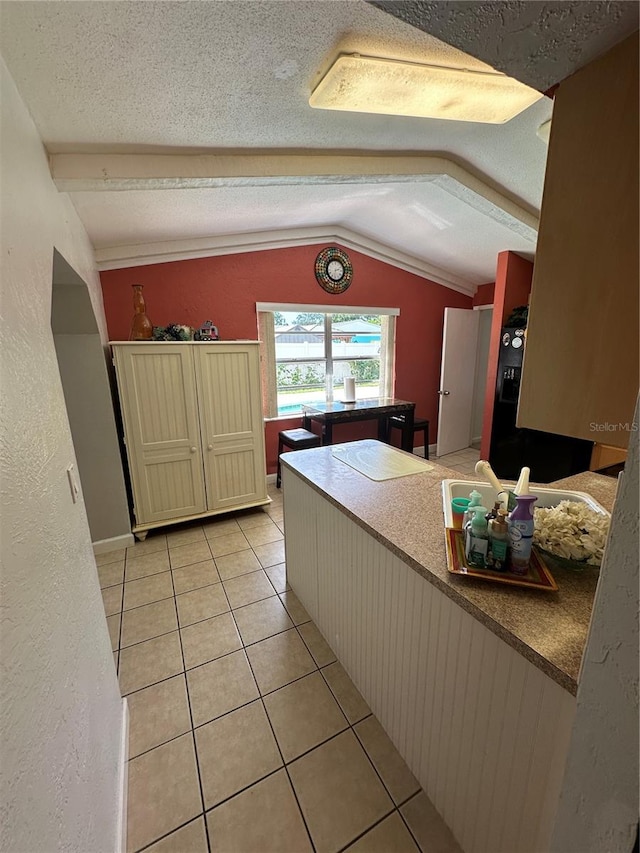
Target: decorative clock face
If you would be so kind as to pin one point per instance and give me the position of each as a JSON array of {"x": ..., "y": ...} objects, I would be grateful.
[{"x": 334, "y": 270}]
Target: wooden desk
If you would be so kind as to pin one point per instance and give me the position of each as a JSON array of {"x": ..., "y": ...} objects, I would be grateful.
[{"x": 373, "y": 409}]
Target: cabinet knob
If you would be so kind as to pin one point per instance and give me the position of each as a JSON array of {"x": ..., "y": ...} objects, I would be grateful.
[
  {"x": 209, "y": 446},
  {"x": 193, "y": 449}
]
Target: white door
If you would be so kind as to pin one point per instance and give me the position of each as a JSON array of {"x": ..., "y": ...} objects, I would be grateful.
[
  {"x": 231, "y": 424},
  {"x": 457, "y": 379},
  {"x": 157, "y": 387}
]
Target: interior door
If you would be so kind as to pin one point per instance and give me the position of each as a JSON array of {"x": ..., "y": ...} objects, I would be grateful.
[
  {"x": 457, "y": 379},
  {"x": 157, "y": 383},
  {"x": 231, "y": 424}
]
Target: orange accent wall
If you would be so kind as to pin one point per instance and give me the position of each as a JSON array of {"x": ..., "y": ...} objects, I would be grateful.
[
  {"x": 512, "y": 289},
  {"x": 225, "y": 289},
  {"x": 485, "y": 294}
]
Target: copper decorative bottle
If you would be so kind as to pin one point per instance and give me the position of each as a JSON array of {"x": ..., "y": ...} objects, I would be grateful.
[{"x": 141, "y": 326}]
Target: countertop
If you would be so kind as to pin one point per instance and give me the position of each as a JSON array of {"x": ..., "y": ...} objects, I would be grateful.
[{"x": 405, "y": 514}]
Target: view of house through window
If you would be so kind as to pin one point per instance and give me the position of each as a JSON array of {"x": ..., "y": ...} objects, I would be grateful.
[{"x": 314, "y": 352}]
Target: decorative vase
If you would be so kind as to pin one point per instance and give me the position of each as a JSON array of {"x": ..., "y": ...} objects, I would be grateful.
[{"x": 141, "y": 326}]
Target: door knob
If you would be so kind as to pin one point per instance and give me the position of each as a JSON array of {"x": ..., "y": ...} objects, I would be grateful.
[
  {"x": 209, "y": 446},
  {"x": 444, "y": 393},
  {"x": 193, "y": 449}
]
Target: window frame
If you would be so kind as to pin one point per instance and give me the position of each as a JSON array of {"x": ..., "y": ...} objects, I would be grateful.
[{"x": 270, "y": 361}]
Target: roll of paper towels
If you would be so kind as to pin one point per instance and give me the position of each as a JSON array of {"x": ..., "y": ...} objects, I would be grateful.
[{"x": 349, "y": 389}]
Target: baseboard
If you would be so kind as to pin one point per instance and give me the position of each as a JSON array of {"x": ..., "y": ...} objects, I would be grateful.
[
  {"x": 124, "y": 779},
  {"x": 271, "y": 478},
  {"x": 103, "y": 546}
]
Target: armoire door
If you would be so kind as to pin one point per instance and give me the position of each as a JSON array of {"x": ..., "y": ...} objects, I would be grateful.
[
  {"x": 231, "y": 424},
  {"x": 157, "y": 387}
]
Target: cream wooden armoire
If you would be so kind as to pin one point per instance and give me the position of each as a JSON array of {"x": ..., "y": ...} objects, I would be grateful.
[{"x": 193, "y": 428}]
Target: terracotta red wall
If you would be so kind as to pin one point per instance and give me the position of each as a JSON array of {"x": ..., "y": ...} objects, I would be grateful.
[
  {"x": 225, "y": 289},
  {"x": 512, "y": 289},
  {"x": 485, "y": 294}
]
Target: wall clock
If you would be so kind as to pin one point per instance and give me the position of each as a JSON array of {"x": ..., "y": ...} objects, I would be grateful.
[{"x": 334, "y": 270}]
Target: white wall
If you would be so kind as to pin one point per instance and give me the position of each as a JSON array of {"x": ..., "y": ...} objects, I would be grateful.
[
  {"x": 599, "y": 804},
  {"x": 85, "y": 383},
  {"x": 90, "y": 411},
  {"x": 482, "y": 358},
  {"x": 61, "y": 712}
]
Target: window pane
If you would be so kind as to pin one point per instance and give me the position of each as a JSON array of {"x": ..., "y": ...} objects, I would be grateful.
[
  {"x": 299, "y": 383},
  {"x": 300, "y": 342},
  {"x": 365, "y": 372},
  {"x": 306, "y": 374},
  {"x": 355, "y": 335}
]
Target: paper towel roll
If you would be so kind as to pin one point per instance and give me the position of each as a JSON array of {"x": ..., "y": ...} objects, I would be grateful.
[{"x": 349, "y": 389}]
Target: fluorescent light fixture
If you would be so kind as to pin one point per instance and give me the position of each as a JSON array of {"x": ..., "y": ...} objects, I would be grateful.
[{"x": 367, "y": 84}]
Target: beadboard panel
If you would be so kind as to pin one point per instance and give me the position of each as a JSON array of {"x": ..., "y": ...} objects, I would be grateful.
[
  {"x": 301, "y": 548},
  {"x": 484, "y": 731},
  {"x": 162, "y": 432},
  {"x": 232, "y": 430}
]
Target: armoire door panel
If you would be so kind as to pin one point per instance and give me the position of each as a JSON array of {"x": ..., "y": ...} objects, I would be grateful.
[
  {"x": 231, "y": 423},
  {"x": 162, "y": 430},
  {"x": 169, "y": 486},
  {"x": 162, "y": 397},
  {"x": 235, "y": 475}
]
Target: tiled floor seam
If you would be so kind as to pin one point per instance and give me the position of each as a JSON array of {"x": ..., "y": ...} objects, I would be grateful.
[
  {"x": 295, "y": 793},
  {"x": 364, "y": 749},
  {"x": 368, "y": 829},
  {"x": 406, "y": 822},
  {"x": 261, "y": 697},
  {"x": 193, "y": 733},
  {"x": 171, "y": 831},
  {"x": 264, "y": 708},
  {"x": 220, "y": 657}
]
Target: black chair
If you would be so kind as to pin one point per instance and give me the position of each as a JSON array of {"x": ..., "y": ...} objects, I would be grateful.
[
  {"x": 295, "y": 439},
  {"x": 419, "y": 425}
]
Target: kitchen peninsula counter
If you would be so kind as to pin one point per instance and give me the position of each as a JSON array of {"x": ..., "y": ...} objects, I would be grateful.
[
  {"x": 405, "y": 515},
  {"x": 473, "y": 681}
]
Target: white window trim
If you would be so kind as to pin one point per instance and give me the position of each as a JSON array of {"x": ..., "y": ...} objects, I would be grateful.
[
  {"x": 324, "y": 309},
  {"x": 268, "y": 367}
]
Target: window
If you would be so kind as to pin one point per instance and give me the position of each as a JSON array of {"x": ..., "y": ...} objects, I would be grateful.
[{"x": 308, "y": 351}]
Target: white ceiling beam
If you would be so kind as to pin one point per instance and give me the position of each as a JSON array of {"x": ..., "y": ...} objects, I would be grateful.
[{"x": 122, "y": 172}]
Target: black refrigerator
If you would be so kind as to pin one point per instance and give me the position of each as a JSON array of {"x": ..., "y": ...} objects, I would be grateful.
[{"x": 550, "y": 457}]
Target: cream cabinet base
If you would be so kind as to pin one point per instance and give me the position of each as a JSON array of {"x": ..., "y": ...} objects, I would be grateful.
[{"x": 141, "y": 530}]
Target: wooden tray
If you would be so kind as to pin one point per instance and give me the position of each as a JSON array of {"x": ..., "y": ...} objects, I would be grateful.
[{"x": 538, "y": 576}]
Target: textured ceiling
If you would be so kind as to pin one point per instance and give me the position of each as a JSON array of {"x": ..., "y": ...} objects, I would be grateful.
[
  {"x": 539, "y": 43},
  {"x": 234, "y": 75}
]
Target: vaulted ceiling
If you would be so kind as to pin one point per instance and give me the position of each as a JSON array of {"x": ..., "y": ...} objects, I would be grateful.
[{"x": 183, "y": 128}]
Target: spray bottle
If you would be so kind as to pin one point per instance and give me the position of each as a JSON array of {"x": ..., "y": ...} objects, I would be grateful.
[{"x": 521, "y": 533}]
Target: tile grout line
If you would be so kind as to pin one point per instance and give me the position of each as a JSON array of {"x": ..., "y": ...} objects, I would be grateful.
[
  {"x": 266, "y": 713},
  {"x": 193, "y": 734},
  {"x": 317, "y": 668},
  {"x": 184, "y": 670},
  {"x": 406, "y": 822},
  {"x": 352, "y": 727},
  {"x": 366, "y": 831}
]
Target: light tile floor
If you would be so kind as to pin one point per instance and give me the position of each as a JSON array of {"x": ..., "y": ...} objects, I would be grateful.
[
  {"x": 246, "y": 734},
  {"x": 462, "y": 460}
]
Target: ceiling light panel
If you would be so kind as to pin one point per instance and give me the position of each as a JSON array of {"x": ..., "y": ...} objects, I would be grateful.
[{"x": 367, "y": 84}]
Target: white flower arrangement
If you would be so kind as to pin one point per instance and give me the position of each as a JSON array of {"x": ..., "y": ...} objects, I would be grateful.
[{"x": 571, "y": 530}]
